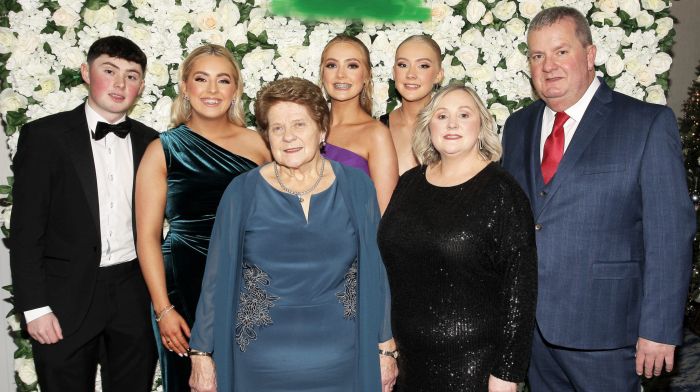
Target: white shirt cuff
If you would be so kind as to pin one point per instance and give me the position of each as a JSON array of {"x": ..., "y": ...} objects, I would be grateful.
[{"x": 31, "y": 315}]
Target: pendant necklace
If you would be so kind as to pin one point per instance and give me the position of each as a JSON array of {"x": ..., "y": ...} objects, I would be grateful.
[{"x": 302, "y": 193}]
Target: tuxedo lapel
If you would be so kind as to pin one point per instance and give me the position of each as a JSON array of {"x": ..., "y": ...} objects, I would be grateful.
[
  {"x": 593, "y": 120},
  {"x": 77, "y": 140}
]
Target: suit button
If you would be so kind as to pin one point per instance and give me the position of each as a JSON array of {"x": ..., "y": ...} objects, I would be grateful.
[
  {"x": 538, "y": 227},
  {"x": 542, "y": 194}
]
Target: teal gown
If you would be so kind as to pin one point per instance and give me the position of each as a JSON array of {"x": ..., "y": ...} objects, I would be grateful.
[{"x": 198, "y": 173}]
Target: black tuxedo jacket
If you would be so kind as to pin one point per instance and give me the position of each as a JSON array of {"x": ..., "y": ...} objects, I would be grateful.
[{"x": 55, "y": 241}]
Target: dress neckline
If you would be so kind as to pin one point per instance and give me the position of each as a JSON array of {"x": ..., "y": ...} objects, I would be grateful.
[
  {"x": 216, "y": 146},
  {"x": 424, "y": 169}
]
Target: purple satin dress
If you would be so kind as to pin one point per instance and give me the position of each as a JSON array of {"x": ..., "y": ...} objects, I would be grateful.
[{"x": 346, "y": 157}]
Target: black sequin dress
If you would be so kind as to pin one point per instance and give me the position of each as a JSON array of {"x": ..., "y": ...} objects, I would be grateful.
[{"x": 462, "y": 268}]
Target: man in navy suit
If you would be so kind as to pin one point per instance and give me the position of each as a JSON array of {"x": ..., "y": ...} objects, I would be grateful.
[{"x": 614, "y": 223}]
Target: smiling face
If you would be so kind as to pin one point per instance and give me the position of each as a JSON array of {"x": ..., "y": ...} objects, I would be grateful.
[
  {"x": 562, "y": 67},
  {"x": 344, "y": 71},
  {"x": 293, "y": 134},
  {"x": 114, "y": 85},
  {"x": 455, "y": 126},
  {"x": 210, "y": 87},
  {"x": 416, "y": 69}
]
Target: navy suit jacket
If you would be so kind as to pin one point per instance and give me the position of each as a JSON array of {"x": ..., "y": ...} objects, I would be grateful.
[{"x": 614, "y": 226}]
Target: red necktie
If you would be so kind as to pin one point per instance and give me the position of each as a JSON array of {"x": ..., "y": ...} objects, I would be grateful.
[{"x": 553, "y": 147}]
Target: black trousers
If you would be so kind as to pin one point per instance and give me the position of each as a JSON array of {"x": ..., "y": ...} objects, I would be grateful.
[{"x": 116, "y": 333}]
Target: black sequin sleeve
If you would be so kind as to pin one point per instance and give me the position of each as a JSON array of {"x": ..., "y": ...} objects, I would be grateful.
[{"x": 517, "y": 256}]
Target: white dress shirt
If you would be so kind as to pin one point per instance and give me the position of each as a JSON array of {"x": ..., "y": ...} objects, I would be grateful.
[
  {"x": 114, "y": 169},
  {"x": 575, "y": 113}
]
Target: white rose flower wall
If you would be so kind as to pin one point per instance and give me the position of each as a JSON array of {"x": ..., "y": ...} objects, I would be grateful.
[{"x": 43, "y": 42}]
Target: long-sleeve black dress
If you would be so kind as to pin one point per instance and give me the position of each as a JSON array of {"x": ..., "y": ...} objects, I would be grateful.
[{"x": 462, "y": 268}]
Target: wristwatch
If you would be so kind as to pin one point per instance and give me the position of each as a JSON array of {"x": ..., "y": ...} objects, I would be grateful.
[{"x": 394, "y": 354}]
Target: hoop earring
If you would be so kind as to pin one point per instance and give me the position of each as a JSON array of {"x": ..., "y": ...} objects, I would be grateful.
[{"x": 187, "y": 107}]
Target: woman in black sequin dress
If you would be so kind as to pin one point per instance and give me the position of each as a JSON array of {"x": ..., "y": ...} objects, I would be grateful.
[{"x": 458, "y": 242}]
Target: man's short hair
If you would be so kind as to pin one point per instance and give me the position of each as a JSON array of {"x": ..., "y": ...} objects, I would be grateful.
[
  {"x": 119, "y": 47},
  {"x": 550, "y": 16}
]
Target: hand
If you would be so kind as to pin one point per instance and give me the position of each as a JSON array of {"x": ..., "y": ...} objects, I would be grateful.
[
  {"x": 203, "y": 376},
  {"x": 389, "y": 371},
  {"x": 651, "y": 357},
  {"x": 173, "y": 329},
  {"x": 498, "y": 385},
  {"x": 45, "y": 329}
]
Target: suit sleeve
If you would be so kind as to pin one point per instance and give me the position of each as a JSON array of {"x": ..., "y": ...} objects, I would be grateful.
[
  {"x": 669, "y": 227},
  {"x": 31, "y": 194}
]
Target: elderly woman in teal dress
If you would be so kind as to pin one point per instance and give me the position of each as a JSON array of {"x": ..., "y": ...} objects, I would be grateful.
[
  {"x": 295, "y": 295},
  {"x": 182, "y": 177}
]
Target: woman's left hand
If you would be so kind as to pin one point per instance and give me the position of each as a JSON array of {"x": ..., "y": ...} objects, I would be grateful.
[
  {"x": 498, "y": 385},
  {"x": 389, "y": 371}
]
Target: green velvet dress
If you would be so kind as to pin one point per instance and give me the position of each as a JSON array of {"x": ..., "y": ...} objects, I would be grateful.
[{"x": 198, "y": 173}]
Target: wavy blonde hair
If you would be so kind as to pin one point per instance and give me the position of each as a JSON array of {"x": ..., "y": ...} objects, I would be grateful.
[
  {"x": 366, "y": 93},
  {"x": 489, "y": 144},
  {"x": 181, "y": 112}
]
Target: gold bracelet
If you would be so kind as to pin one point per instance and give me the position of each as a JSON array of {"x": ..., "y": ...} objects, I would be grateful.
[
  {"x": 164, "y": 312},
  {"x": 192, "y": 351}
]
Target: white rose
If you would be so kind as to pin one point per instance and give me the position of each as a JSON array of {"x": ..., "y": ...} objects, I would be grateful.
[
  {"x": 12, "y": 146},
  {"x": 139, "y": 4},
  {"x": 117, "y": 3},
  {"x": 601, "y": 56},
  {"x": 500, "y": 112},
  {"x": 215, "y": 37},
  {"x": 439, "y": 12},
  {"x": 467, "y": 55},
  {"x": 177, "y": 17},
  {"x": 608, "y": 6},
  {"x": 663, "y": 26},
  {"x": 25, "y": 369},
  {"x": 256, "y": 26},
  {"x": 161, "y": 113},
  {"x": 632, "y": 64},
  {"x": 480, "y": 73},
  {"x": 258, "y": 59},
  {"x": 47, "y": 85},
  {"x": 475, "y": 10},
  {"x": 645, "y": 77},
  {"x": 285, "y": 66},
  {"x": 614, "y": 65},
  {"x": 65, "y": 17},
  {"x": 237, "y": 35},
  {"x": 27, "y": 44},
  {"x": 158, "y": 73},
  {"x": 504, "y": 10},
  {"x": 452, "y": 3},
  {"x": 74, "y": 5},
  {"x": 487, "y": 19},
  {"x": 644, "y": 19},
  {"x": 12, "y": 320},
  {"x": 601, "y": 17},
  {"x": 472, "y": 37},
  {"x": 10, "y": 101},
  {"x": 228, "y": 13},
  {"x": 380, "y": 95},
  {"x": 654, "y": 5},
  {"x": 7, "y": 40},
  {"x": 631, "y": 7},
  {"x": 207, "y": 21},
  {"x": 550, "y": 3},
  {"x": 103, "y": 16},
  {"x": 71, "y": 57},
  {"x": 655, "y": 94},
  {"x": 516, "y": 27},
  {"x": 137, "y": 34},
  {"x": 530, "y": 8},
  {"x": 516, "y": 61},
  {"x": 140, "y": 111},
  {"x": 660, "y": 63}
]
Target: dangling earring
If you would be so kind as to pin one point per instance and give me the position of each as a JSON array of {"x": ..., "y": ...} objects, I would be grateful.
[
  {"x": 187, "y": 107},
  {"x": 232, "y": 110},
  {"x": 436, "y": 87},
  {"x": 481, "y": 144},
  {"x": 323, "y": 145}
]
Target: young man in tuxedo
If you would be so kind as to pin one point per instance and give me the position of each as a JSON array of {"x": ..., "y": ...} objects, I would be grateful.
[
  {"x": 614, "y": 223},
  {"x": 75, "y": 273}
]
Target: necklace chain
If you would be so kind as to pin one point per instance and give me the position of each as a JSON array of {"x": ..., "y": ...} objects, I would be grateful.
[{"x": 302, "y": 193}]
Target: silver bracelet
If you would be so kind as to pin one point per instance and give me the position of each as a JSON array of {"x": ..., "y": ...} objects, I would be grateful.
[{"x": 164, "y": 312}]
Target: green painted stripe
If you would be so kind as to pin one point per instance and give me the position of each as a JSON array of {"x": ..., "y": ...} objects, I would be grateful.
[{"x": 382, "y": 10}]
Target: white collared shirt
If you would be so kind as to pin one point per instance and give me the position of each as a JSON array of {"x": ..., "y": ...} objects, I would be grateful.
[
  {"x": 575, "y": 113},
  {"x": 114, "y": 169}
]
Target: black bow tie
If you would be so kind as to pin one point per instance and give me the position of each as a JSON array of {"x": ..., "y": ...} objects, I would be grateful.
[{"x": 121, "y": 129}]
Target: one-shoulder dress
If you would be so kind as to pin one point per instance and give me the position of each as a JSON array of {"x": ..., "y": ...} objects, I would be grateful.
[
  {"x": 198, "y": 172},
  {"x": 346, "y": 157}
]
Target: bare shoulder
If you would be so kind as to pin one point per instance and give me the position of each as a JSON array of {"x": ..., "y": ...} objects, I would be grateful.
[
  {"x": 153, "y": 157},
  {"x": 376, "y": 132},
  {"x": 254, "y": 143}
]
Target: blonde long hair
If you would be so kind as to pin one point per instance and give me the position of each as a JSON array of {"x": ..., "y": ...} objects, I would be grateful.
[{"x": 366, "y": 93}]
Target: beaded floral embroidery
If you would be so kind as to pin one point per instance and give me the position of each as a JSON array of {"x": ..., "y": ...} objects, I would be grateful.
[
  {"x": 348, "y": 297},
  {"x": 254, "y": 305}
]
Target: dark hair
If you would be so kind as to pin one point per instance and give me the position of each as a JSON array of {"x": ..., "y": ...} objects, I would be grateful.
[
  {"x": 119, "y": 47},
  {"x": 550, "y": 16},
  {"x": 296, "y": 90}
]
